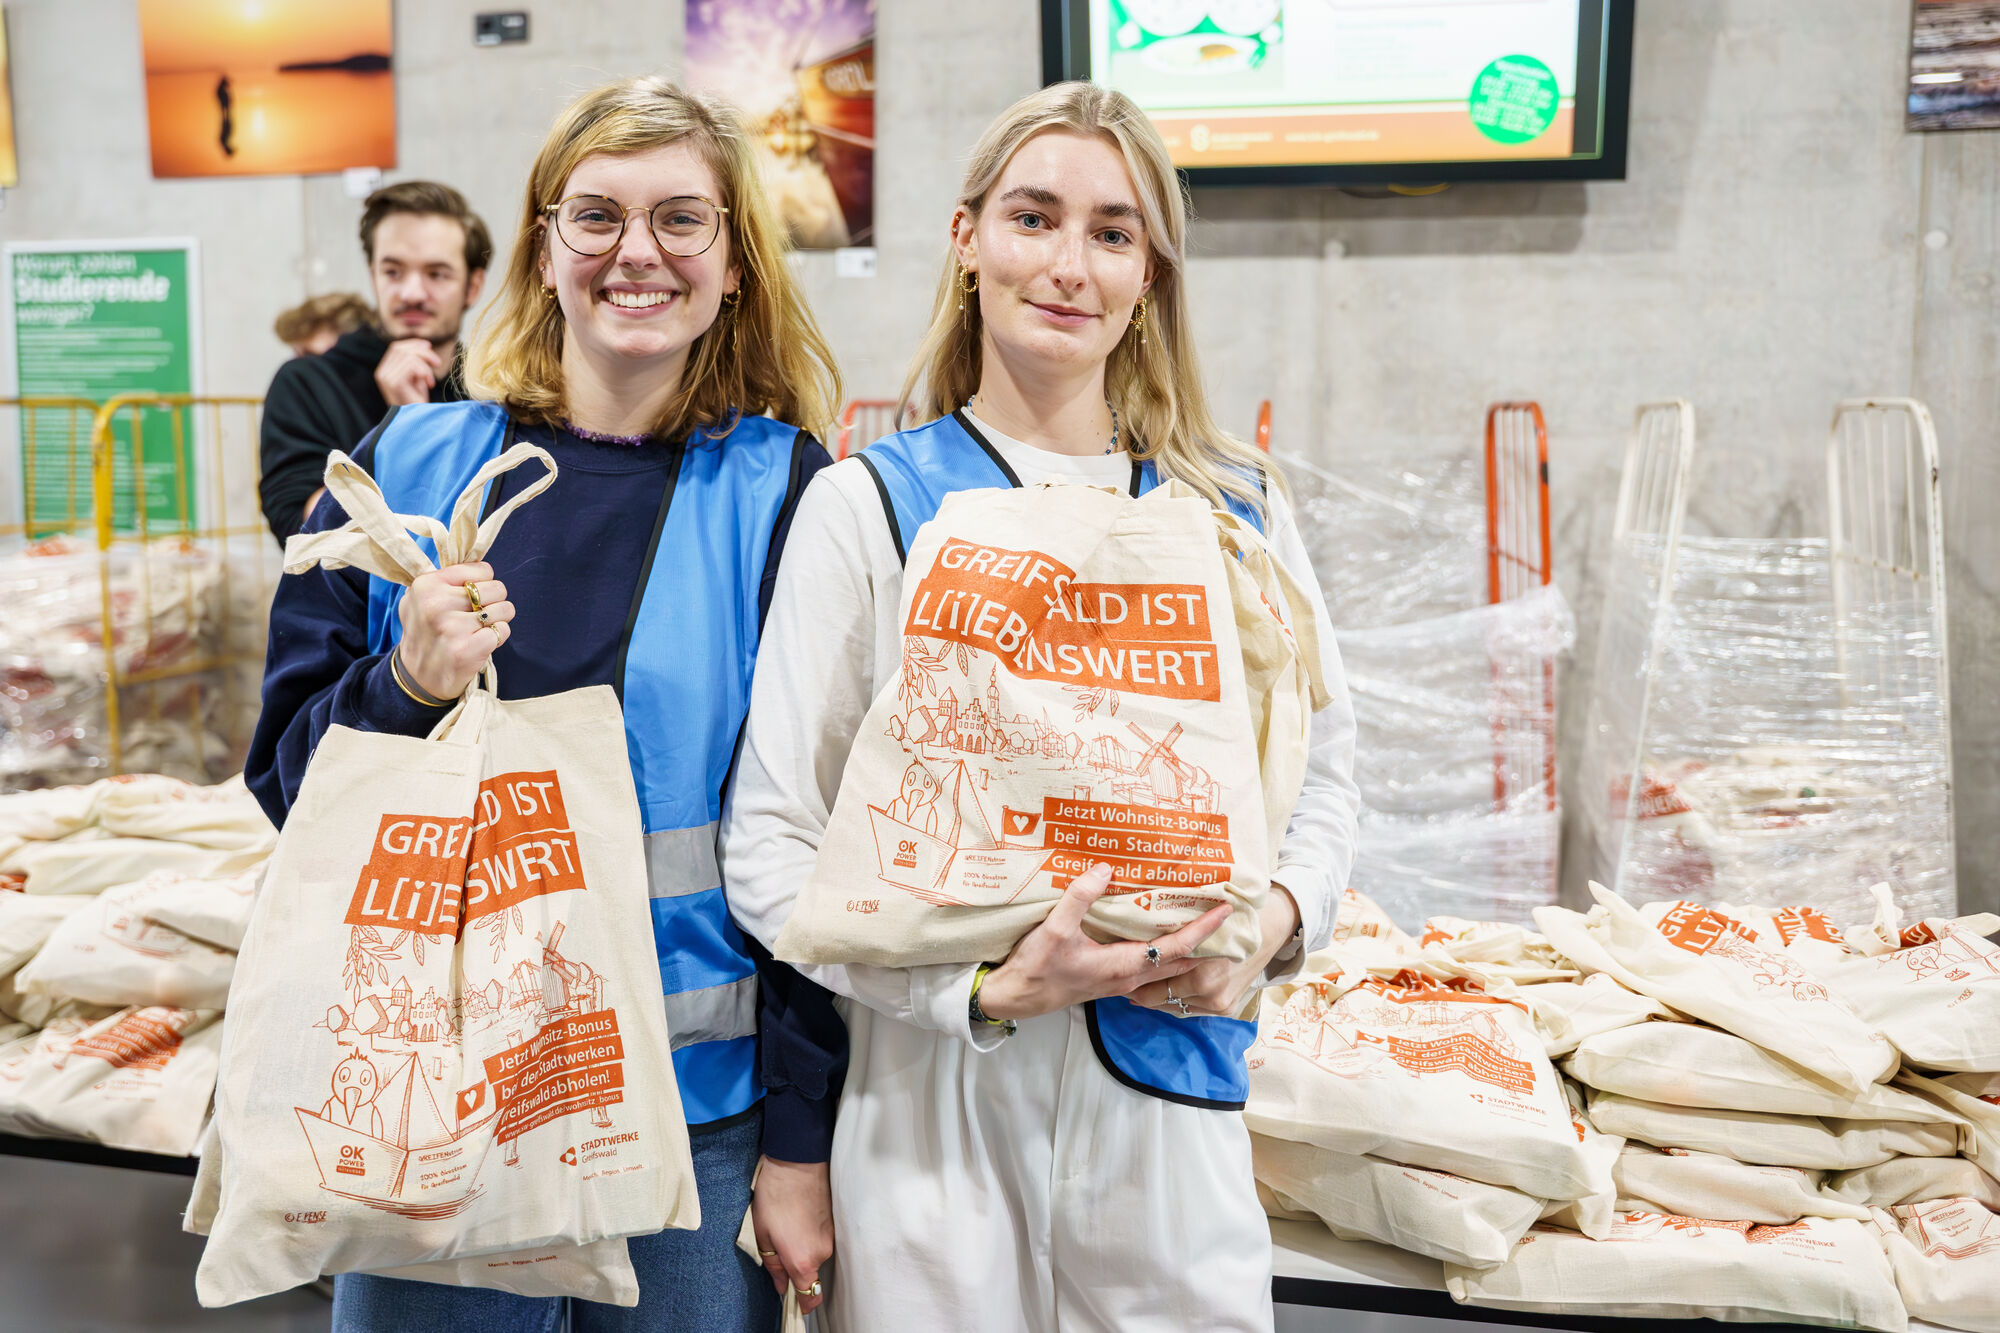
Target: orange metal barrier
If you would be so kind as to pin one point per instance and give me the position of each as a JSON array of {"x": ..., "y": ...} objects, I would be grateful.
[
  {"x": 864, "y": 421},
  {"x": 1518, "y": 561}
]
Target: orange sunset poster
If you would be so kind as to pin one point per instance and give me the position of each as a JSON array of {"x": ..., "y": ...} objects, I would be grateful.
[
  {"x": 9, "y": 170},
  {"x": 268, "y": 87}
]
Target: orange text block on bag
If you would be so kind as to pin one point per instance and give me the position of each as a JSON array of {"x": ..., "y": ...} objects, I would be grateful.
[
  {"x": 432, "y": 874},
  {"x": 1029, "y": 610}
]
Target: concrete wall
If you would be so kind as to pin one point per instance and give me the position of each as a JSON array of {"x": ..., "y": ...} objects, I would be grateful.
[{"x": 1765, "y": 258}]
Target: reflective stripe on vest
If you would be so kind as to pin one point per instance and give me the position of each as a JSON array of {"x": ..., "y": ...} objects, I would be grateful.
[
  {"x": 1196, "y": 1061},
  {"x": 684, "y": 680}
]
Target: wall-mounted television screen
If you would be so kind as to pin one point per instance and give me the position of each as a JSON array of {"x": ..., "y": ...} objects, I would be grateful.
[{"x": 1362, "y": 91}]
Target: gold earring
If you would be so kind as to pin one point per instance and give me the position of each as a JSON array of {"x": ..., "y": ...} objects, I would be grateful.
[
  {"x": 730, "y": 300},
  {"x": 968, "y": 283},
  {"x": 1139, "y": 320},
  {"x": 548, "y": 293}
]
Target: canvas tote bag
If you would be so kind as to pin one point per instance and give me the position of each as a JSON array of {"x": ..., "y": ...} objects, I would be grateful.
[
  {"x": 446, "y": 1036},
  {"x": 1444, "y": 1077},
  {"x": 1654, "y": 1265},
  {"x": 1086, "y": 677},
  {"x": 1701, "y": 964}
]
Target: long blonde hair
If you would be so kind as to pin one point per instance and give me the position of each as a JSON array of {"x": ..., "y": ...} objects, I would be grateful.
[
  {"x": 1155, "y": 383},
  {"x": 763, "y": 355}
]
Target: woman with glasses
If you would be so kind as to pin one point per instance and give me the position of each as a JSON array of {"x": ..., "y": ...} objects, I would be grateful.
[
  {"x": 1049, "y": 1140},
  {"x": 648, "y": 336}
]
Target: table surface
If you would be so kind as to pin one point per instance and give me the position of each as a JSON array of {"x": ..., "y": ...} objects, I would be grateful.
[{"x": 1309, "y": 1264}]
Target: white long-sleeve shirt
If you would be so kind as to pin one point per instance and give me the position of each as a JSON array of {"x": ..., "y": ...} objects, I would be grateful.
[{"x": 833, "y": 637}]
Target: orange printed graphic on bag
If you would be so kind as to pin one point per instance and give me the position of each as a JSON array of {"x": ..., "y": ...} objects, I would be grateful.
[
  {"x": 1699, "y": 929},
  {"x": 435, "y": 875},
  {"x": 1806, "y": 923},
  {"x": 142, "y": 1039},
  {"x": 1028, "y": 609},
  {"x": 1475, "y": 1057},
  {"x": 384, "y": 1134}
]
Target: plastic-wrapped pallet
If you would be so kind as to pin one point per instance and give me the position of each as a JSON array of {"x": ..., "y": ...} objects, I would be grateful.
[
  {"x": 1946, "y": 1256},
  {"x": 1655, "y": 1265},
  {"x": 1435, "y": 701},
  {"x": 173, "y": 604},
  {"x": 1751, "y": 746}
]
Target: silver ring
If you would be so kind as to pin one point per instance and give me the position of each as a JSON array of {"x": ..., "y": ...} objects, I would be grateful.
[
  {"x": 1180, "y": 1004},
  {"x": 1153, "y": 954}
]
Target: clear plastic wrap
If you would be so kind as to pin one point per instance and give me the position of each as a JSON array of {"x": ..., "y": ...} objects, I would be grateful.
[
  {"x": 1454, "y": 755},
  {"x": 1781, "y": 754},
  {"x": 182, "y": 620},
  {"x": 1454, "y": 701},
  {"x": 1392, "y": 544}
]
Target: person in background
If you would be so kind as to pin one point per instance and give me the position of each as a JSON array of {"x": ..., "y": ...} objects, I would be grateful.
[
  {"x": 650, "y": 336},
  {"x": 427, "y": 254},
  {"x": 318, "y": 322},
  {"x": 1053, "y": 1139}
]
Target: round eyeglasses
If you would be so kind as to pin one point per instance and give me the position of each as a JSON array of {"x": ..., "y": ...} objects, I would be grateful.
[{"x": 590, "y": 224}]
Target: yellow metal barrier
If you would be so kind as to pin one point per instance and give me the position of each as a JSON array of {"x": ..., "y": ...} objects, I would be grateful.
[
  {"x": 174, "y": 645},
  {"x": 62, "y": 427},
  {"x": 136, "y": 587}
]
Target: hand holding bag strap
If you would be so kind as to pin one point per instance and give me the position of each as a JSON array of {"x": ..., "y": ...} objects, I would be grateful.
[
  {"x": 378, "y": 540},
  {"x": 471, "y": 539},
  {"x": 373, "y": 538}
]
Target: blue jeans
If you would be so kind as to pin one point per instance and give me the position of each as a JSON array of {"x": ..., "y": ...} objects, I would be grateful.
[{"x": 689, "y": 1281}]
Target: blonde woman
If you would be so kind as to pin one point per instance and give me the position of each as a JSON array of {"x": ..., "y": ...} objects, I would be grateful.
[
  {"x": 650, "y": 338},
  {"x": 1051, "y": 1140}
]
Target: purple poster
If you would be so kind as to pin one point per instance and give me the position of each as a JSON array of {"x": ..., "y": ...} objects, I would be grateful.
[{"x": 802, "y": 72}]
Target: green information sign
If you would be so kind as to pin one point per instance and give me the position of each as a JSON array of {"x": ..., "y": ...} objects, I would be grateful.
[
  {"x": 95, "y": 320},
  {"x": 1514, "y": 99}
]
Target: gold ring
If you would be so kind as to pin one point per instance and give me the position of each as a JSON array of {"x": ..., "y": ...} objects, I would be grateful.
[
  {"x": 767, "y": 1254},
  {"x": 813, "y": 1290},
  {"x": 472, "y": 595},
  {"x": 485, "y": 617}
]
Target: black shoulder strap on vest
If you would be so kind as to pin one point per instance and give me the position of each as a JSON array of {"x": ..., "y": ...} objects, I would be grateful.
[{"x": 888, "y": 507}]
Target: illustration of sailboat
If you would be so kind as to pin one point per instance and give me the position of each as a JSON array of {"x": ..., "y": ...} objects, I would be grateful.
[
  {"x": 386, "y": 1144},
  {"x": 937, "y": 842}
]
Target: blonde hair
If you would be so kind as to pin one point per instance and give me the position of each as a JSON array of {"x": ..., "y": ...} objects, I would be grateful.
[
  {"x": 1155, "y": 383},
  {"x": 763, "y": 355}
]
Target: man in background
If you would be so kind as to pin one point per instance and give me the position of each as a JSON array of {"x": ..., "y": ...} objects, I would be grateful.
[
  {"x": 427, "y": 254},
  {"x": 317, "y": 323}
]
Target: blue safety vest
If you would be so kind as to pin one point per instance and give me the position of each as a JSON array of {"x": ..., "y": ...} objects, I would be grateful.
[
  {"x": 684, "y": 677},
  {"x": 1197, "y": 1061}
]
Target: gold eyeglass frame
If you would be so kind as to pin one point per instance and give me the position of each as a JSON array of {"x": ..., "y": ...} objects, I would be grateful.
[{"x": 625, "y": 220}]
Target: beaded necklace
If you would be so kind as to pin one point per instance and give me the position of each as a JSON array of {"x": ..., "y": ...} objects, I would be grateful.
[
  {"x": 1110, "y": 448},
  {"x": 599, "y": 437}
]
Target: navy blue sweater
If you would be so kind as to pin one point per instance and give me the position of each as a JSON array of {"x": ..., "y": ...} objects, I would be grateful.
[{"x": 571, "y": 560}]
